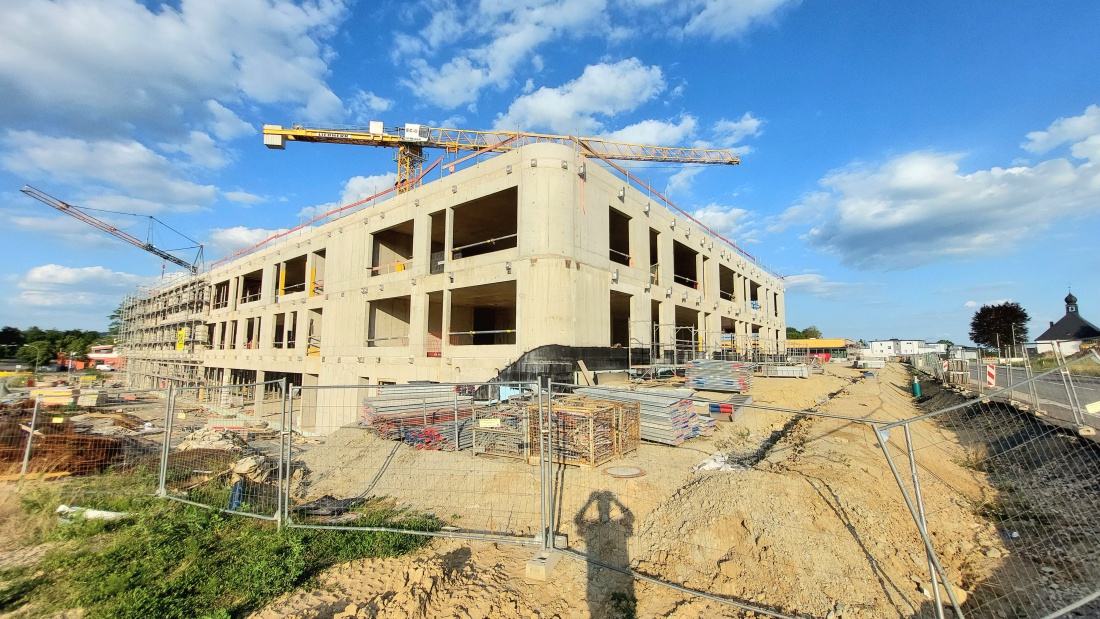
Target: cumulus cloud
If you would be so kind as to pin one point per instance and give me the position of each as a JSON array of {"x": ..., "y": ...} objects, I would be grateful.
[
  {"x": 200, "y": 148},
  {"x": 125, "y": 165},
  {"x": 228, "y": 241},
  {"x": 243, "y": 197},
  {"x": 225, "y": 123},
  {"x": 604, "y": 89},
  {"x": 112, "y": 63},
  {"x": 728, "y": 18},
  {"x": 1074, "y": 129},
  {"x": 671, "y": 133},
  {"x": 364, "y": 106},
  {"x": 920, "y": 206},
  {"x": 731, "y": 132},
  {"x": 970, "y": 304},
  {"x": 55, "y": 285},
  {"x": 680, "y": 183},
  {"x": 355, "y": 189},
  {"x": 820, "y": 286}
]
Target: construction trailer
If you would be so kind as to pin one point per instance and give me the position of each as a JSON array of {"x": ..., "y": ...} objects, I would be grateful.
[{"x": 510, "y": 269}]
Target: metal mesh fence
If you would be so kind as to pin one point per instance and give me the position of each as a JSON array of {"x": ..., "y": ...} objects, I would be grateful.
[
  {"x": 459, "y": 453},
  {"x": 216, "y": 460}
]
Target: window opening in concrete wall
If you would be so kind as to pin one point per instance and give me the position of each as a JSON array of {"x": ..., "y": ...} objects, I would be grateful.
[
  {"x": 277, "y": 335},
  {"x": 435, "y": 324},
  {"x": 222, "y": 328},
  {"x": 726, "y": 287},
  {"x": 775, "y": 304},
  {"x": 654, "y": 257},
  {"x": 252, "y": 332},
  {"x": 754, "y": 295},
  {"x": 684, "y": 268},
  {"x": 232, "y": 334},
  {"x": 221, "y": 295},
  {"x": 291, "y": 330},
  {"x": 483, "y": 315},
  {"x": 686, "y": 333},
  {"x": 704, "y": 277},
  {"x": 729, "y": 330},
  {"x": 620, "y": 320},
  {"x": 486, "y": 224},
  {"x": 392, "y": 249},
  {"x": 313, "y": 332},
  {"x": 252, "y": 286},
  {"x": 388, "y": 322},
  {"x": 439, "y": 242},
  {"x": 317, "y": 273},
  {"x": 243, "y": 387},
  {"x": 204, "y": 335},
  {"x": 618, "y": 237},
  {"x": 293, "y": 276}
]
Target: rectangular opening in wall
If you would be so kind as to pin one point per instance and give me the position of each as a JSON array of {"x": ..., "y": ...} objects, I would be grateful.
[
  {"x": 277, "y": 340},
  {"x": 654, "y": 257},
  {"x": 221, "y": 295},
  {"x": 294, "y": 275},
  {"x": 618, "y": 237},
  {"x": 483, "y": 315},
  {"x": 486, "y": 224},
  {"x": 620, "y": 320},
  {"x": 754, "y": 295},
  {"x": 252, "y": 332},
  {"x": 684, "y": 268},
  {"x": 314, "y": 319},
  {"x": 439, "y": 242},
  {"x": 392, "y": 249},
  {"x": 316, "y": 283},
  {"x": 388, "y": 322},
  {"x": 252, "y": 284},
  {"x": 775, "y": 303},
  {"x": 232, "y": 334},
  {"x": 435, "y": 324},
  {"x": 726, "y": 287},
  {"x": 686, "y": 333},
  {"x": 291, "y": 330}
]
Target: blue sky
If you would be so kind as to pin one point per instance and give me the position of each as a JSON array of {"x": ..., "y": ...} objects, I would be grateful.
[{"x": 902, "y": 163}]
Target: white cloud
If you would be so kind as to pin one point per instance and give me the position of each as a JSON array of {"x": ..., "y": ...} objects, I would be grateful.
[
  {"x": 118, "y": 62},
  {"x": 124, "y": 165},
  {"x": 818, "y": 285},
  {"x": 513, "y": 32},
  {"x": 364, "y": 106},
  {"x": 52, "y": 285},
  {"x": 225, "y": 124},
  {"x": 200, "y": 149},
  {"x": 668, "y": 133},
  {"x": 727, "y": 18},
  {"x": 725, "y": 220},
  {"x": 228, "y": 241},
  {"x": 356, "y": 188},
  {"x": 970, "y": 304},
  {"x": 74, "y": 233},
  {"x": 602, "y": 89},
  {"x": 680, "y": 183},
  {"x": 243, "y": 197},
  {"x": 730, "y": 132},
  {"x": 1073, "y": 129},
  {"x": 919, "y": 207}
]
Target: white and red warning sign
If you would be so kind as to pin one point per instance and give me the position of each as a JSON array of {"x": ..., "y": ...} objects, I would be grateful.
[
  {"x": 945, "y": 368},
  {"x": 991, "y": 375}
]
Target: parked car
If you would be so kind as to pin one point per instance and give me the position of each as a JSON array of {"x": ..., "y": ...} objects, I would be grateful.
[{"x": 103, "y": 367}]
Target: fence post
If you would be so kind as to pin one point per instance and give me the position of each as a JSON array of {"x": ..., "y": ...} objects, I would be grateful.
[
  {"x": 279, "y": 463},
  {"x": 169, "y": 415},
  {"x": 544, "y": 474},
  {"x": 288, "y": 431},
  {"x": 30, "y": 437},
  {"x": 923, "y": 521}
]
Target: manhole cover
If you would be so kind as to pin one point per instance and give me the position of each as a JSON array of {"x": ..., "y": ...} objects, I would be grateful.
[{"x": 624, "y": 471}]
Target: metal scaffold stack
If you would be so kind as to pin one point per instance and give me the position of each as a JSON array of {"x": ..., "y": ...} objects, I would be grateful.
[
  {"x": 668, "y": 419},
  {"x": 590, "y": 431},
  {"x": 717, "y": 375},
  {"x": 437, "y": 419}
]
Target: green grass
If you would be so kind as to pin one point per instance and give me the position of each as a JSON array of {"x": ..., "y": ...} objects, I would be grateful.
[{"x": 174, "y": 560}]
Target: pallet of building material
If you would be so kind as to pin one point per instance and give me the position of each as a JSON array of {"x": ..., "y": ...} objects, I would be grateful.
[
  {"x": 589, "y": 432},
  {"x": 91, "y": 399},
  {"x": 731, "y": 409},
  {"x": 780, "y": 370},
  {"x": 665, "y": 418},
  {"x": 719, "y": 375},
  {"x": 505, "y": 432}
]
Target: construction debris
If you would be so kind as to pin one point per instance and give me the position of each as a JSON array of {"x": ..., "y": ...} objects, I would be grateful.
[
  {"x": 67, "y": 513},
  {"x": 207, "y": 438}
]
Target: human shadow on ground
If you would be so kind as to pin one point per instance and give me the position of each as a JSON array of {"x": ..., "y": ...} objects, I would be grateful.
[{"x": 606, "y": 524}]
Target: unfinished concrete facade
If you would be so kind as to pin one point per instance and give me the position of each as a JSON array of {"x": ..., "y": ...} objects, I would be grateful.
[{"x": 511, "y": 268}]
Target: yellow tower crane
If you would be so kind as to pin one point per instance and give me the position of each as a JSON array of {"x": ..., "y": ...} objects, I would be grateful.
[{"x": 411, "y": 140}]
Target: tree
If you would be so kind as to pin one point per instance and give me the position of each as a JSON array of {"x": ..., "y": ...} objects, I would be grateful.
[
  {"x": 38, "y": 352},
  {"x": 811, "y": 332},
  {"x": 10, "y": 341},
  {"x": 794, "y": 334},
  {"x": 947, "y": 343},
  {"x": 996, "y": 324}
]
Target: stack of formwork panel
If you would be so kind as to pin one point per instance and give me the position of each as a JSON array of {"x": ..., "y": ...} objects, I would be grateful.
[
  {"x": 719, "y": 375},
  {"x": 586, "y": 431},
  {"x": 666, "y": 418},
  {"x": 433, "y": 418},
  {"x": 785, "y": 370}
]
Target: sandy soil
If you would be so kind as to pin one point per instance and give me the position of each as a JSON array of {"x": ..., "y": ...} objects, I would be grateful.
[{"x": 812, "y": 524}]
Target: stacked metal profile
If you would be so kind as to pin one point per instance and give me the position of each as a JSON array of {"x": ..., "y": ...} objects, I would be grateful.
[
  {"x": 586, "y": 431},
  {"x": 433, "y": 418},
  {"x": 781, "y": 370},
  {"x": 719, "y": 375},
  {"x": 666, "y": 418},
  {"x": 505, "y": 431}
]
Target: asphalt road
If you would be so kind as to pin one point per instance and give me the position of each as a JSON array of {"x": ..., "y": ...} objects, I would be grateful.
[{"x": 1051, "y": 391}]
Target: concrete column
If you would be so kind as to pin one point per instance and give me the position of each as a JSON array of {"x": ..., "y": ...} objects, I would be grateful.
[
  {"x": 234, "y": 292},
  {"x": 267, "y": 290},
  {"x": 667, "y": 323},
  {"x": 446, "y": 327},
  {"x": 258, "y": 402},
  {"x": 448, "y": 242},
  {"x": 640, "y": 335},
  {"x": 418, "y": 322}
]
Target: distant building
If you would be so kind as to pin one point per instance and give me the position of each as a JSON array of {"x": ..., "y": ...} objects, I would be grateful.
[
  {"x": 828, "y": 348},
  {"x": 901, "y": 348},
  {"x": 1069, "y": 333}
]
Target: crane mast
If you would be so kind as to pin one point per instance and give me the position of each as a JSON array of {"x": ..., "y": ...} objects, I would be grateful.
[
  {"x": 411, "y": 140},
  {"x": 73, "y": 211}
]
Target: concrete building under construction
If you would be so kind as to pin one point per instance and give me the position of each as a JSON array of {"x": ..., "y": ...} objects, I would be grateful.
[{"x": 515, "y": 267}]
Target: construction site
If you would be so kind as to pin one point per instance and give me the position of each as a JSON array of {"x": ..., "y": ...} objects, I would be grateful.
[{"x": 532, "y": 255}]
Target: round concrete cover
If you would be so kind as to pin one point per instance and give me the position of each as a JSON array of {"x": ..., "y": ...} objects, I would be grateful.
[{"x": 624, "y": 471}]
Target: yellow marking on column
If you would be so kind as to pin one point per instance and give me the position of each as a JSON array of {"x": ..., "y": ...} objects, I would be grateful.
[
  {"x": 282, "y": 280},
  {"x": 312, "y": 280}
]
